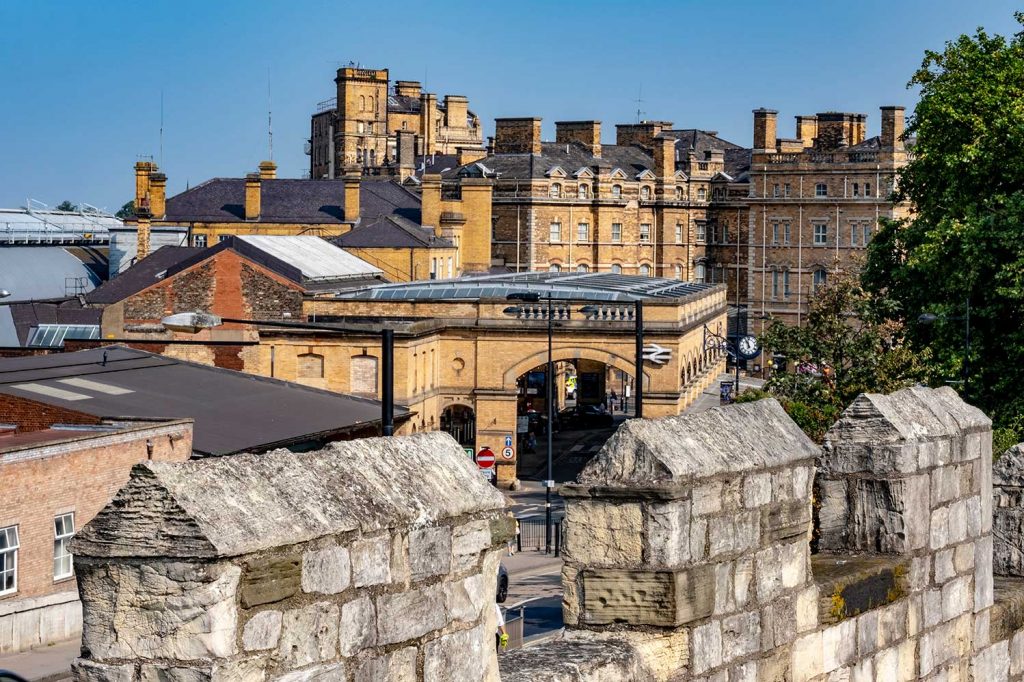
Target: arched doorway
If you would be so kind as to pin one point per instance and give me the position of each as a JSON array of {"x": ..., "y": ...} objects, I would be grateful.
[{"x": 460, "y": 422}]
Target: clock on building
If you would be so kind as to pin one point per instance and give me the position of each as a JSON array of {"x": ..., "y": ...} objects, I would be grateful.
[{"x": 747, "y": 347}]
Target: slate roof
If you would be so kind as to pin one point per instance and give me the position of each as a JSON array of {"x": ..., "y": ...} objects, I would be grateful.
[
  {"x": 25, "y": 316},
  {"x": 391, "y": 232},
  {"x": 140, "y": 275},
  {"x": 315, "y": 202},
  {"x": 233, "y": 411}
]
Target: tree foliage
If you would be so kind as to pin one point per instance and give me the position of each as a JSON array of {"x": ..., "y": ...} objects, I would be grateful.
[
  {"x": 126, "y": 211},
  {"x": 67, "y": 206},
  {"x": 846, "y": 347},
  {"x": 965, "y": 241}
]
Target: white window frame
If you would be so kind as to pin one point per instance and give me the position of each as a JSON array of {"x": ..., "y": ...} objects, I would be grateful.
[
  {"x": 555, "y": 191},
  {"x": 820, "y": 234},
  {"x": 616, "y": 191},
  {"x": 617, "y": 233},
  {"x": 581, "y": 192},
  {"x": 582, "y": 267},
  {"x": 815, "y": 276},
  {"x": 775, "y": 284},
  {"x": 555, "y": 232},
  {"x": 775, "y": 234},
  {"x": 582, "y": 232},
  {"x": 9, "y": 549},
  {"x": 702, "y": 230},
  {"x": 645, "y": 270},
  {"x": 679, "y": 271},
  {"x": 867, "y": 233},
  {"x": 616, "y": 269},
  {"x": 788, "y": 189},
  {"x": 61, "y": 546},
  {"x": 702, "y": 194},
  {"x": 645, "y": 233},
  {"x": 821, "y": 190},
  {"x": 785, "y": 284},
  {"x": 785, "y": 233},
  {"x": 679, "y": 233},
  {"x": 776, "y": 190},
  {"x": 699, "y": 273},
  {"x": 867, "y": 189},
  {"x": 199, "y": 241},
  {"x": 554, "y": 267},
  {"x": 645, "y": 193}
]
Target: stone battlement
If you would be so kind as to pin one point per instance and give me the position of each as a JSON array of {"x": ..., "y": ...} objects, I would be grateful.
[{"x": 723, "y": 546}]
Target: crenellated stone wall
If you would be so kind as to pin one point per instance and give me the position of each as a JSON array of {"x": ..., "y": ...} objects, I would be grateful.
[
  {"x": 714, "y": 547},
  {"x": 369, "y": 560}
]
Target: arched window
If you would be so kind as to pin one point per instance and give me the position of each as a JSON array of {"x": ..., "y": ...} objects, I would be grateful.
[
  {"x": 582, "y": 267},
  {"x": 359, "y": 155},
  {"x": 581, "y": 191},
  {"x": 360, "y": 127},
  {"x": 556, "y": 191},
  {"x": 698, "y": 273},
  {"x": 617, "y": 191},
  {"x": 645, "y": 193},
  {"x": 373, "y": 157},
  {"x": 554, "y": 267},
  {"x": 702, "y": 194},
  {"x": 310, "y": 366},
  {"x": 679, "y": 271},
  {"x": 369, "y": 101},
  {"x": 616, "y": 269},
  {"x": 645, "y": 270},
  {"x": 362, "y": 103},
  {"x": 363, "y": 378},
  {"x": 820, "y": 277}
]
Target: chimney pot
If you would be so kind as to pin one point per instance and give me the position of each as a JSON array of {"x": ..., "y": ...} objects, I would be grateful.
[{"x": 268, "y": 170}]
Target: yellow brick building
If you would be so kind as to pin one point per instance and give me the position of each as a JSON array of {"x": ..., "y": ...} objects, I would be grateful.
[{"x": 362, "y": 124}]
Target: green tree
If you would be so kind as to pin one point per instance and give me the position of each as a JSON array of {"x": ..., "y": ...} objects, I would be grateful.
[
  {"x": 126, "y": 211},
  {"x": 67, "y": 206},
  {"x": 964, "y": 245},
  {"x": 846, "y": 347}
]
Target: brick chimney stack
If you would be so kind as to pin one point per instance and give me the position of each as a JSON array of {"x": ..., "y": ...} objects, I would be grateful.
[
  {"x": 252, "y": 196},
  {"x": 893, "y": 127},
  {"x": 664, "y": 156},
  {"x": 430, "y": 208},
  {"x": 268, "y": 170},
  {"x": 517, "y": 135},
  {"x": 807, "y": 129},
  {"x": 351, "y": 178},
  {"x": 158, "y": 195},
  {"x": 587, "y": 133},
  {"x": 765, "y": 130}
]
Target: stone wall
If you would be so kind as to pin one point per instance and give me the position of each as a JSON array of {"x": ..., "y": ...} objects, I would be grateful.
[
  {"x": 372, "y": 559},
  {"x": 1008, "y": 512}
]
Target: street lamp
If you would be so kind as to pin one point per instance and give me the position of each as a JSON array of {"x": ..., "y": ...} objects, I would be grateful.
[
  {"x": 193, "y": 323},
  {"x": 4, "y": 293},
  {"x": 928, "y": 319}
]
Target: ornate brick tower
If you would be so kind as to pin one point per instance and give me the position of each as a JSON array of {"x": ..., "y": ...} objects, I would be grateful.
[{"x": 361, "y": 132}]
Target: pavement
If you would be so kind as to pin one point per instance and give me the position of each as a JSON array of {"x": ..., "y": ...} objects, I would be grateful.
[
  {"x": 45, "y": 664},
  {"x": 536, "y": 579},
  {"x": 711, "y": 397}
]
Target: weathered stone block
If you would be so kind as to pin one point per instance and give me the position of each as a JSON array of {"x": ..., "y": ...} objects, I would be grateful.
[
  {"x": 464, "y": 656},
  {"x": 243, "y": 670},
  {"x": 602, "y": 533},
  {"x": 468, "y": 597},
  {"x": 270, "y": 579},
  {"x": 430, "y": 551},
  {"x": 84, "y": 670},
  {"x": 262, "y": 631},
  {"x": 735, "y": 533},
  {"x": 171, "y": 610},
  {"x": 407, "y": 615},
  {"x": 806, "y": 658},
  {"x": 743, "y": 574},
  {"x": 839, "y": 645},
  {"x": 784, "y": 521},
  {"x": 371, "y": 561},
  {"x": 778, "y": 625},
  {"x": 741, "y": 635},
  {"x": 309, "y": 635},
  {"x": 957, "y": 598},
  {"x": 833, "y": 513},
  {"x": 706, "y": 647},
  {"x": 358, "y": 626},
  {"x": 326, "y": 571},
  {"x": 757, "y": 490},
  {"x": 329, "y": 672},
  {"x": 698, "y": 539},
  {"x": 983, "y": 579},
  {"x": 889, "y": 515},
  {"x": 992, "y": 664},
  {"x": 668, "y": 534},
  {"x": 707, "y": 498},
  {"x": 780, "y": 568},
  {"x": 398, "y": 666},
  {"x": 667, "y": 598},
  {"x": 469, "y": 539},
  {"x": 867, "y": 633}
]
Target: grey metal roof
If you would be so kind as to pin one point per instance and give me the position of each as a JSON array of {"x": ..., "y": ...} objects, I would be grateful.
[
  {"x": 315, "y": 258},
  {"x": 233, "y": 411},
  {"x": 39, "y": 272},
  {"x": 592, "y": 286},
  {"x": 33, "y": 225}
]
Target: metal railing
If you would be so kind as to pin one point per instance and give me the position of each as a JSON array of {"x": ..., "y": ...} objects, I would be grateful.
[
  {"x": 531, "y": 535},
  {"x": 515, "y": 623}
]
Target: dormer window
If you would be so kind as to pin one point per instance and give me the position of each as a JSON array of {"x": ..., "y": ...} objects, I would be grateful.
[
  {"x": 645, "y": 193},
  {"x": 556, "y": 191},
  {"x": 582, "y": 192},
  {"x": 617, "y": 191},
  {"x": 679, "y": 193}
]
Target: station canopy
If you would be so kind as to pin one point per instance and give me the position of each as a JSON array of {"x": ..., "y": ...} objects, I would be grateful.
[{"x": 578, "y": 286}]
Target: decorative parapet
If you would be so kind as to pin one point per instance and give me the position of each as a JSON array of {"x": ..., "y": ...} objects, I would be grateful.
[{"x": 374, "y": 558}]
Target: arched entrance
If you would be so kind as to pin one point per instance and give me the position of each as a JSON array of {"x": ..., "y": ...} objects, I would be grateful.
[{"x": 460, "y": 422}]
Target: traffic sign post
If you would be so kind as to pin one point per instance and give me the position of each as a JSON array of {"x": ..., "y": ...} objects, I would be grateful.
[
  {"x": 485, "y": 458},
  {"x": 508, "y": 453}
]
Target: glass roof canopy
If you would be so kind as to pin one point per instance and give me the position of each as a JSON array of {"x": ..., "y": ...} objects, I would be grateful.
[{"x": 585, "y": 286}]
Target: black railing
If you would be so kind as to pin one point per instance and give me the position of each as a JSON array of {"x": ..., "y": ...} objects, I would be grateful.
[{"x": 531, "y": 535}]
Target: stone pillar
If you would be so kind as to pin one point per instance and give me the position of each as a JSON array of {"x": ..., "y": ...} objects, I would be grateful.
[
  {"x": 374, "y": 559},
  {"x": 695, "y": 528}
]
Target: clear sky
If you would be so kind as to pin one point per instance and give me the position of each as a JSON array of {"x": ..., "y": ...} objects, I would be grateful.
[{"x": 82, "y": 81}]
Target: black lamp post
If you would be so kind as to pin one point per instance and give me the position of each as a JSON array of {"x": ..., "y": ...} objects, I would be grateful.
[
  {"x": 193, "y": 323},
  {"x": 928, "y": 319}
]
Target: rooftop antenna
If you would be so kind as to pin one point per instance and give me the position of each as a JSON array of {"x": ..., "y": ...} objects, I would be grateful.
[
  {"x": 270, "y": 129},
  {"x": 161, "y": 127},
  {"x": 639, "y": 101}
]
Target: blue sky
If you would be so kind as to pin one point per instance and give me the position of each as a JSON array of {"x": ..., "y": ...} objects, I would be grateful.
[{"x": 82, "y": 80}]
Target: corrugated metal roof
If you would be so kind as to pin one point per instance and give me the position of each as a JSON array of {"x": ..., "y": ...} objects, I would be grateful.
[{"x": 315, "y": 258}]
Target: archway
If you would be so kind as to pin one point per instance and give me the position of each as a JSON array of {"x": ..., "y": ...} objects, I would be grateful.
[{"x": 460, "y": 422}]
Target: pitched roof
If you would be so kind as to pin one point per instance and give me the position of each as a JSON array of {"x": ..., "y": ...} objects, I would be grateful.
[
  {"x": 142, "y": 274},
  {"x": 391, "y": 232},
  {"x": 233, "y": 411},
  {"x": 314, "y": 202},
  {"x": 25, "y": 316}
]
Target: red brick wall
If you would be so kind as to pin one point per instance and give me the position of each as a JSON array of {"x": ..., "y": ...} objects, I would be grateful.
[
  {"x": 81, "y": 480},
  {"x": 31, "y": 415}
]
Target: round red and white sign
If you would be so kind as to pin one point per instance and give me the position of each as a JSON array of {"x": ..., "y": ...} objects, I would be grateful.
[{"x": 485, "y": 458}]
